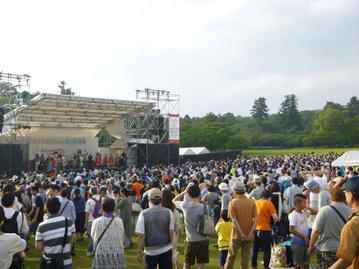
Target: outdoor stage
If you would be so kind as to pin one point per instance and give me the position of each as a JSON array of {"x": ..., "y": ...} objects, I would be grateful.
[{"x": 66, "y": 125}]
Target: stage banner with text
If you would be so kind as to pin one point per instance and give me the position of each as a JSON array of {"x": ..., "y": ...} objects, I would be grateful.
[{"x": 174, "y": 129}]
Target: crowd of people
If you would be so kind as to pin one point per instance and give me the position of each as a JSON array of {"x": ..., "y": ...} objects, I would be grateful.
[{"x": 253, "y": 203}]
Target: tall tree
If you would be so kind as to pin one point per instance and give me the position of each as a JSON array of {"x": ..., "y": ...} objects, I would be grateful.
[
  {"x": 333, "y": 105},
  {"x": 259, "y": 110},
  {"x": 64, "y": 89},
  {"x": 289, "y": 113},
  {"x": 353, "y": 106}
]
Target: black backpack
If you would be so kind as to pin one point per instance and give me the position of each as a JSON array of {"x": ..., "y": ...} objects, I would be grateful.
[{"x": 10, "y": 225}]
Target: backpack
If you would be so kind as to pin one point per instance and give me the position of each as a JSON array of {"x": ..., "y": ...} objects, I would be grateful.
[
  {"x": 97, "y": 212},
  {"x": 10, "y": 225}
]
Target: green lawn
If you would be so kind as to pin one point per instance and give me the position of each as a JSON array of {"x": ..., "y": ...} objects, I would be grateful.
[
  {"x": 278, "y": 152},
  {"x": 82, "y": 261}
]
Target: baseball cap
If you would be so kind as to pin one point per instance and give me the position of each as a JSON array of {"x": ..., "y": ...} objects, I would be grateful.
[
  {"x": 154, "y": 194},
  {"x": 352, "y": 184}
]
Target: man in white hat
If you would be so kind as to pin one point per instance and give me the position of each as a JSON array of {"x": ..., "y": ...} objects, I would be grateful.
[
  {"x": 226, "y": 195},
  {"x": 243, "y": 213}
]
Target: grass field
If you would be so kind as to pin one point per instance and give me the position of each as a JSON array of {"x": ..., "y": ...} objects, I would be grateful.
[
  {"x": 81, "y": 261},
  {"x": 279, "y": 152}
]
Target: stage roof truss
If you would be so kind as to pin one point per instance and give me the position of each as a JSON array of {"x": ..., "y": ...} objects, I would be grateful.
[{"x": 53, "y": 110}]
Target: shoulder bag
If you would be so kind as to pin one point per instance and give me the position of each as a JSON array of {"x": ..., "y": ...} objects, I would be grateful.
[{"x": 205, "y": 223}]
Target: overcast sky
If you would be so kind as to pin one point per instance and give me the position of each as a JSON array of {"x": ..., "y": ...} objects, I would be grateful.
[{"x": 218, "y": 55}]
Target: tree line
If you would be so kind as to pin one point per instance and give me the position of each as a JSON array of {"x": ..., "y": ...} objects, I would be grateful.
[{"x": 332, "y": 126}]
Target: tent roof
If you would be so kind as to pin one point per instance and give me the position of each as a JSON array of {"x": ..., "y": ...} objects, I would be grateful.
[
  {"x": 54, "y": 110},
  {"x": 349, "y": 158},
  {"x": 186, "y": 151},
  {"x": 193, "y": 151}
]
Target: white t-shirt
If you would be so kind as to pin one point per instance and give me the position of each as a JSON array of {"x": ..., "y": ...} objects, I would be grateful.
[
  {"x": 90, "y": 206},
  {"x": 9, "y": 245},
  {"x": 300, "y": 221}
]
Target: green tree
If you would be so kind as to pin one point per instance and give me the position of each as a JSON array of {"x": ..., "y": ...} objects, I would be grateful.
[
  {"x": 333, "y": 105},
  {"x": 289, "y": 113},
  {"x": 259, "y": 110},
  {"x": 64, "y": 90},
  {"x": 353, "y": 106}
]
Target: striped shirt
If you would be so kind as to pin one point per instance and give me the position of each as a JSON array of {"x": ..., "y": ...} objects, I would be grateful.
[{"x": 51, "y": 232}]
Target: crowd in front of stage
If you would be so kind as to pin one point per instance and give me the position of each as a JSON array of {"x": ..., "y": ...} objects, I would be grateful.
[{"x": 252, "y": 204}]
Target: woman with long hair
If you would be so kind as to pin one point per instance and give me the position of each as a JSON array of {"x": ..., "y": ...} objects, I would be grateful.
[{"x": 167, "y": 197}]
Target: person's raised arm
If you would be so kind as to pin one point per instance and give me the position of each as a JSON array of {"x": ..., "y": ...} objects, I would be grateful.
[{"x": 275, "y": 218}]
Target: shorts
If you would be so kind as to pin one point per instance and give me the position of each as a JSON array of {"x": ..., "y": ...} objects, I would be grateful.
[
  {"x": 223, "y": 257},
  {"x": 33, "y": 227},
  {"x": 196, "y": 250},
  {"x": 300, "y": 254}
]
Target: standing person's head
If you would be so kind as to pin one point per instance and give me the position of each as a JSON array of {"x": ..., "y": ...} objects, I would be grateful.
[
  {"x": 266, "y": 194},
  {"x": 53, "y": 205},
  {"x": 351, "y": 190},
  {"x": 154, "y": 196},
  {"x": 8, "y": 199},
  {"x": 295, "y": 181},
  {"x": 239, "y": 187},
  {"x": 194, "y": 191},
  {"x": 103, "y": 191},
  {"x": 224, "y": 215},
  {"x": 64, "y": 193},
  {"x": 124, "y": 192},
  {"x": 223, "y": 187},
  {"x": 108, "y": 205},
  {"x": 167, "y": 197},
  {"x": 300, "y": 201},
  {"x": 312, "y": 186},
  {"x": 274, "y": 187},
  {"x": 257, "y": 181},
  {"x": 34, "y": 190},
  {"x": 54, "y": 190},
  {"x": 77, "y": 194}
]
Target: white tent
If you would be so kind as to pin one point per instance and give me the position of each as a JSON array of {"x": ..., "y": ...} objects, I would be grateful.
[
  {"x": 186, "y": 151},
  {"x": 349, "y": 158},
  {"x": 193, "y": 151}
]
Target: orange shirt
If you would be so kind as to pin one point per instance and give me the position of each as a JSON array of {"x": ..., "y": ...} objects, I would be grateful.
[
  {"x": 265, "y": 209},
  {"x": 137, "y": 187}
]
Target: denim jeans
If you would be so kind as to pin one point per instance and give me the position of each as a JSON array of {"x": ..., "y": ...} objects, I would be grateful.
[
  {"x": 262, "y": 239},
  {"x": 90, "y": 247}
]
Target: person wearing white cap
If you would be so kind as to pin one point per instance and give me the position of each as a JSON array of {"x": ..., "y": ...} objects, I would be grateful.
[{"x": 226, "y": 195}]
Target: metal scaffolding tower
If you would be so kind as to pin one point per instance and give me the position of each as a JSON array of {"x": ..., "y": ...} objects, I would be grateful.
[{"x": 150, "y": 126}]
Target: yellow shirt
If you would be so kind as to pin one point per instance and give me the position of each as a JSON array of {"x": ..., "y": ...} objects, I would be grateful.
[{"x": 224, "y": 230}]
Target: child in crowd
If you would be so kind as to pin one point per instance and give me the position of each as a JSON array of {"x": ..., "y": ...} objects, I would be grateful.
[
  {"x": 299, "y": 230},
  {"x": 224, "y": 230},
  {"x": 216, "y": 211}
]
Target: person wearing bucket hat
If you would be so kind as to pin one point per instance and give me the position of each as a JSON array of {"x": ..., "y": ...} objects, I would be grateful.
[
  {"x": 348, "y": 251},
  {"x": 155, "y": 231},
  {"x": 226, "y": 195},
  {"x": 243, "y": 213}
]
